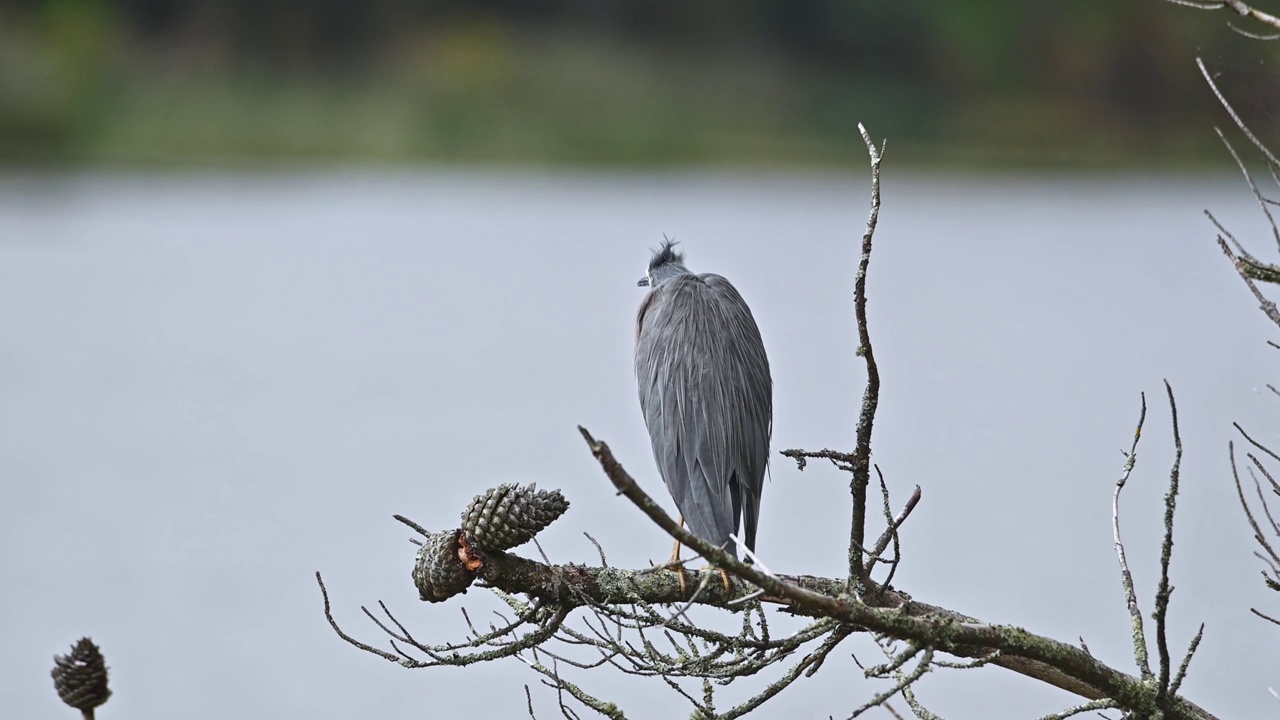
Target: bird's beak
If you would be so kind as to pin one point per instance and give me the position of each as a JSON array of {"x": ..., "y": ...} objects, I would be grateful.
[{"x": 644, "y": 282}]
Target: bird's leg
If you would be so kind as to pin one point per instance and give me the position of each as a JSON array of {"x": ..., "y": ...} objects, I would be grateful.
[
  {"x": 675, "y": 551},
  {"x": 677, "y": 565}
]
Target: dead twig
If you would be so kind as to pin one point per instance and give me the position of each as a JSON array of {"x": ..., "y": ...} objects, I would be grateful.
[{"x": 1126, "y": 577}]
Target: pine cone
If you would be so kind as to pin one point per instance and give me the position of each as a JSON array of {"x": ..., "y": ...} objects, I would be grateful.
[
  {"x": 81, "y": 676},
  {"x": 438, "y": 573},
  {"x": 510, "y": 515}
]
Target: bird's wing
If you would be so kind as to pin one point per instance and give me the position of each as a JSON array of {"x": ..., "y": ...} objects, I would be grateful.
[
  {"x": 707, "y": 400},
  {"x": 750, "y": 410}
]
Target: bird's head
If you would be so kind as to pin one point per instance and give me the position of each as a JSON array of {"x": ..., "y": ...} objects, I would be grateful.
[{"x": 666, "y": 262}]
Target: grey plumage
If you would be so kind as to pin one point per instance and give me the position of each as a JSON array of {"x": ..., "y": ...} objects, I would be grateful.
[{"x": 707, "y": 396}]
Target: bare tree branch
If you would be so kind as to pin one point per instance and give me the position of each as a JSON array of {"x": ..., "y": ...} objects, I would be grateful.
[
  {"x": 1236, "y": 6},
  {"x": 1186, "y": 661},
  {"x": 1250, "y": 269},
  {"x": 1126, "y": 577},
  {"x": 911, "y": 620},
  {"x": 891, "y": 531},
  {"x": 1082, "y": 709},
  {"x": 894, "y": 667},
  {"x": 861, "y": 459},
  {"x": 1165, "y": 590},
  {"x": 1235, "y": 117},
  {"x": 1266, "y": 541}
]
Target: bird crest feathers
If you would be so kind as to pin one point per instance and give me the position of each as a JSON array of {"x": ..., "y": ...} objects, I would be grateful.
[{"x": 666, "y": 253}]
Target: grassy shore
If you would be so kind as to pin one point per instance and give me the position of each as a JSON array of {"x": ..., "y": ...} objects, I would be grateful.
[{"x": 479, "y": 93}]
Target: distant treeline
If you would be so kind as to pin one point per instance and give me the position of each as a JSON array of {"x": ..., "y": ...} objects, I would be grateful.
[{"x": 657, "y": 80}]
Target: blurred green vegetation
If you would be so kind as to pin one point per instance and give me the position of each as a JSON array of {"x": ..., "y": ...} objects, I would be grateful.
[{"x": 753, "y": 82}]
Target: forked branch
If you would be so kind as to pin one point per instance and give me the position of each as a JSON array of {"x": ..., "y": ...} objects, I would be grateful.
[{"x": 1166, "y": 683}]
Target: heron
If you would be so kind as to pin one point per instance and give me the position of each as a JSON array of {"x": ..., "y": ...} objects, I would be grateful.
[{"x": 707, "y": 399}]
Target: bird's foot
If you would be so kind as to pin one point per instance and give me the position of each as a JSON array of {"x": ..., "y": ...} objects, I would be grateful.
[
  {"x": 682, "y": 574},
  {"x": 724, "y": 578},
  {"x": 676, "y": 563}
]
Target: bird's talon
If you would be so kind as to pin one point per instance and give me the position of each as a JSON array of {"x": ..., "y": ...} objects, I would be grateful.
[{"x": 684, "y": 583}]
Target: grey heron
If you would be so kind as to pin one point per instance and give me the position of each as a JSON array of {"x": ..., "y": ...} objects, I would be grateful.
[{"x": 707, "y": 398}]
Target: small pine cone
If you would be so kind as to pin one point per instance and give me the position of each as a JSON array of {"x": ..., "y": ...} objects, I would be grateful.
[
  {"x": 80, "y": 677},
  {"x": 510, "y": 515},
  {"x": 438, "y": 573}
]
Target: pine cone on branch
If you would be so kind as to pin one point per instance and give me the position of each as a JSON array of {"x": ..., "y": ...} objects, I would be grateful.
[
  {"x": 80, "y": 677},
  {"x": 439, "y": 574},
  {"x": 510, "y": 515}
]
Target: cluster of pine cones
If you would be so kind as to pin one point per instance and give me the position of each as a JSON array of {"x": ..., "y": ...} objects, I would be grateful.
[{"x": 496, "y": 521}]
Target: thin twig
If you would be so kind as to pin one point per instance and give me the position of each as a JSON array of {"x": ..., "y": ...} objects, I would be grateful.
[
  {"x": 1165, "y": 590},
  {"x": 1265, "y": 304},
  {"x": 1126, "y": 577},
  {"x": 603, "y": 562},
  {"x": 416, "y": 527},
  {"x": 1264, "y": 616},
  {"x": 841, "y": 460},
  {"x": 1237, "y": 6},
  {"x": 1253, "y": 186},
  {"x": 328, "y": 615},
  {"x": 751, "y": 554},
  {"x": 903, "y": 682},
  {"x": 807, "y": 666},
  {"x": 891, "y": 531},
  {"x": 528, "y": 699},
  {"x": 1255, "y": 443},
  {"x": 1186, "y": 661},
  {"x": 1235, "y": 117},
  {"x": 1258, "y": 535},
  {"x": 1104, "y": 704}
]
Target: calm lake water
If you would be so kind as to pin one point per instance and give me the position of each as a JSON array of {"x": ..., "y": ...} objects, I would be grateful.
[{"x": 214, "y": 385}]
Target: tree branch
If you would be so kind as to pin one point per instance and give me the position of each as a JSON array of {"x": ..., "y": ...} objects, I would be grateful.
[
  {"x": 897, "y": 615},
  {"x": 861, "y": 459},
  {"x": 1126, "y": 577},
  {"x": 554, "y": 591},
  {"x": 1165, "y": 590},
  {"x": 1240, "y": 8}
]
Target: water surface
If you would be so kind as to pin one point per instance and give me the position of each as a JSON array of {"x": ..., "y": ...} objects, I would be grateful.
[{"x": 213, "y": 385}]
